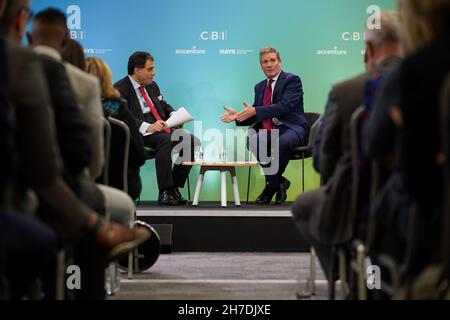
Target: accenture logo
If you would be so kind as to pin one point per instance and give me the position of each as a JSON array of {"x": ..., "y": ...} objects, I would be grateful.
[
  {"x": 331, "y": 52},
  {"x": 373, "y": 22},
  {"x": 193, "y": 51}
]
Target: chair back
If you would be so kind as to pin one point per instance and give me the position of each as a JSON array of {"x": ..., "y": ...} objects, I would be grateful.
[
  {"x": 313, "y": 120},
  {"x": 107, "y": 138},
  {"x": 355, "y": 148},
  {"x": 119, "y": 154},
  {"x": 445, "y": 125}
]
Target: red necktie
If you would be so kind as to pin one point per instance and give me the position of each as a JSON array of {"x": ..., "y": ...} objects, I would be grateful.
[
  {"x": 151, "y": 106},
  {"x": 267, "y": 100}
]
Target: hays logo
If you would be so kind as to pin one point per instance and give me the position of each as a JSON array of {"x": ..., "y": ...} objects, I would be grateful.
[
  {"x": 214, "y": 35},
  {"x": 74, "y": 22},
  {"x": 234, "y": 51}
]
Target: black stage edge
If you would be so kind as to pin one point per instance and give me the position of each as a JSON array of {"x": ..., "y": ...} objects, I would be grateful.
[{"x": 211, "y": 228}]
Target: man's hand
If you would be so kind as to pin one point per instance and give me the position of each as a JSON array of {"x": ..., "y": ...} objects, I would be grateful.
[
  {"x": 157, "y": 126},
  {"x": 229, "y": 116},
  {"x": 248, "y": 112}
]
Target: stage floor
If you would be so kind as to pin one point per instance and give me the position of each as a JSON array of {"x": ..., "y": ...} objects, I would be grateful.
[{"x": 213, "y": 209}]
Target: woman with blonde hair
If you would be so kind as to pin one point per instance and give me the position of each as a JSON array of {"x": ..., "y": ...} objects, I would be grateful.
[
  {"x": 423, "y": 21},
  {"x": 116, "y": 107}
]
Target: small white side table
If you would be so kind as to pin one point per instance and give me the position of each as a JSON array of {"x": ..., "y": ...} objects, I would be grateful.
[{"x": 223, "y": 167}]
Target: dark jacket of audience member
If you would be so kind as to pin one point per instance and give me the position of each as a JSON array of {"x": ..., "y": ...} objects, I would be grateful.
[
  {"x": 117, "y": 108},
  {"x": 38, "y": 151},
  {"x": 422, "y": 78},
  {"x": 335, "y": 142},
  {"x": 72, "y": 132}
]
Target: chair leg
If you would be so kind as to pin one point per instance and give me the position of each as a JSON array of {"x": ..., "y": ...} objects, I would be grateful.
[
  {"x": 136, "y": 260},
  {"x": 60, "y": 274},
  {"x": 343, "y": 274},
  {"x": 189, "y": 189},
  {"x": 130, "y": 253},
  {"x": 311, "y": 281},
  {"x": 331, "y": 282},
  {"x": 130, "y": 264},
  {"x": 360, "y": 257},
  {"x": 112, "y": 285},
  {"x": 312, "y": 270},
  {"x": 303, "y": 172},
  {"x": 248, "y": 181}
]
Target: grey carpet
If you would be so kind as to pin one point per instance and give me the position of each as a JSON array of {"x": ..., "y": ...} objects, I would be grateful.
[{"x": 227, "y": 276}]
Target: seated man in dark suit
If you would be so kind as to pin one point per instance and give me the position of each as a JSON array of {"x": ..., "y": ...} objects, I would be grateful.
[
  {"x": 150, "y": 111},
  {"x": 278, "y": 108}
]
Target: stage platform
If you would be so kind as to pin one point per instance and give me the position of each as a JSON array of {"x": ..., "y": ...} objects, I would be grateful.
[{"x": 211, "y": 228}]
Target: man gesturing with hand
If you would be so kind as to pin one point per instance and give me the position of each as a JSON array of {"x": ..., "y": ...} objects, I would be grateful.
[{"x": 278, "y": 118}]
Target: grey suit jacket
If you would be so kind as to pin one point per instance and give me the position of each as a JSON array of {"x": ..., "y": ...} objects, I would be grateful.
[{"x": 343, "y": 100}]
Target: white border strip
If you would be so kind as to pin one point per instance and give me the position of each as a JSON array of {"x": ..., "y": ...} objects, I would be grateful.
[{"x": 212, "y": 213}]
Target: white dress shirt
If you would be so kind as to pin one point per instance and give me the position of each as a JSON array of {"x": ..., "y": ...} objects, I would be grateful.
[
  {"x": 144, "y": 106},
  {"x": 275, "y": 120}
]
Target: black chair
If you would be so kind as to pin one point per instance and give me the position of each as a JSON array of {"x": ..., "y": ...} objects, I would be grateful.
[
  {"x": 118, "y": 162},
  {"x": 4, "y": 285},
  {"x": 300, "y": 153},
  {"x": 116, "y": 168},
  {"x": 107, "y": 134},
  {"x": 352, "y": 255},
  {"x": 445, "y": 133}
]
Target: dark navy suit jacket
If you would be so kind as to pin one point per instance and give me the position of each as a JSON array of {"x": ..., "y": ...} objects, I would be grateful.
[
  {"x": 128, "y": 93},
  {"x": 287, "y": 105}
]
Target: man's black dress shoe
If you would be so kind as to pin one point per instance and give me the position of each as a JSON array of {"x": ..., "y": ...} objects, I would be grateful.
[
  {"x": 177, "y": 195},
  {"x": 266, "y": 195},
  {"x": 167, "y": 198},
  {"x": 282, "y": 191}
]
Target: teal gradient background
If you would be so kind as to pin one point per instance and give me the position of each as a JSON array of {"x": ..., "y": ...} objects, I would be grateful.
[{"x": 205, "y": 83}]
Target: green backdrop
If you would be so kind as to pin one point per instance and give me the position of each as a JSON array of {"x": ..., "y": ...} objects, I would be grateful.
[{"x": 206, "y": 55}]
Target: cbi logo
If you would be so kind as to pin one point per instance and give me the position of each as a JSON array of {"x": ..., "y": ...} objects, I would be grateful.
[
  {"x": 74, "y": 22},
  {"x": 373, "y": 22},
  {"x": 214, "y": 35}
]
